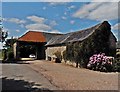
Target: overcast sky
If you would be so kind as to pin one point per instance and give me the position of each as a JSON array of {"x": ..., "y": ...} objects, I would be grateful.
[{"x": 57, "y": 17}]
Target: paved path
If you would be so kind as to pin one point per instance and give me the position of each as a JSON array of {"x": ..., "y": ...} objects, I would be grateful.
[
  {"x": 69, "y": 78},
  {"x": 22, "y": 77}
]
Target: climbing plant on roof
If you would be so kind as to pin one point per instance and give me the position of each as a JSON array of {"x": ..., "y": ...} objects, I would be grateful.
[{"x": 80, "y": 51}]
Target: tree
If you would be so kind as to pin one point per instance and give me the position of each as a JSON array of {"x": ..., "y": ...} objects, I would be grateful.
[{"x": 3, "y": 36}]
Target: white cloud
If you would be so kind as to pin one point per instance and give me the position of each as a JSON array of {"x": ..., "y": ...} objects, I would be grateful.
[
  {"x": 38, "y": 26},
  {"x": 58, "y": 0},
  {"x": 22, "y": 26},
  {"x": 40, "y": 23},
  {"x": 36, "y": 19},
  {"x": 17, "y": 30},
  {"x": 72, "y": 22},
  {"x": 55, "y": 31},
  {"x": 116, "y": 27},
  {"x": 72, "y": 30},
  {"x": 71, "y": 7},
  {"x": 64, "y": 18},
  {"x": 65, "y": 13},
  {"x": 57, "y": 3},
  {"x": 105, "y": 0},
  {"x": 98, "y": 11},
  {"x": 5, "y": 30},
  {"x": 15, "y": 20},
  {"x": 53, "y": 23},
  {"x": 44, "y": 8}
]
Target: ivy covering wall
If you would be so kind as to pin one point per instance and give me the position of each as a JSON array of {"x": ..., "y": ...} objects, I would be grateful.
[{"x": 80, "y": 51}]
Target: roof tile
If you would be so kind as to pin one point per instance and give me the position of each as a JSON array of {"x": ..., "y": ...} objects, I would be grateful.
[{"x": 33, "y": 36}]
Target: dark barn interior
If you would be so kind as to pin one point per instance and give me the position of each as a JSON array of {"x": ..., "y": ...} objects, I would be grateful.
[{"x": 26, "y": 49}]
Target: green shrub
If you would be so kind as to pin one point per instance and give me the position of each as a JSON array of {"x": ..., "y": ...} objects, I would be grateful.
[
  {"x": 4, "y": 54},
  {"x": 10, "y": 55},
  {"x": 117, "y": 64}
]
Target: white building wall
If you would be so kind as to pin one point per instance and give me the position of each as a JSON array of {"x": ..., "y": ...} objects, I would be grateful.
[{"x": 51, "y": 50}]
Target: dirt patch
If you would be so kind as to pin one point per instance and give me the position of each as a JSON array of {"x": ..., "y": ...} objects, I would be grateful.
[{"x": 69, "y": 78}]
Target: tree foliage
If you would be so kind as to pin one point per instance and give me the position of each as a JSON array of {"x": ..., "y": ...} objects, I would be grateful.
[{"x": 4, "y": 36}]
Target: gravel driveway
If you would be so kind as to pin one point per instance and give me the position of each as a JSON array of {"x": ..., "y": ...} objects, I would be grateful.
[
  {"x": 66, "y": 77},
  {"x": 20, "y": 77}
]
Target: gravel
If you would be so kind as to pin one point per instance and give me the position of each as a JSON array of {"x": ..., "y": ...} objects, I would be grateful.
[{"x": 66, "y": 77}]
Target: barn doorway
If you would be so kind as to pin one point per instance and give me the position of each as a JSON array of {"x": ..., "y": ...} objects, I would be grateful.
[
  {"x": 31, "y": 50},
  {"x": 27, "y": 51}
]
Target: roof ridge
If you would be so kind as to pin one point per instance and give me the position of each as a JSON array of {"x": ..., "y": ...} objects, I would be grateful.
[
  {"x": 35, "y": 31},
  {"x": 90, "y": 27}
]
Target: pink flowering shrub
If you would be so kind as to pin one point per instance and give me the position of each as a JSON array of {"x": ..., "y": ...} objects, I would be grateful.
[{"x": 100, "y": 62}]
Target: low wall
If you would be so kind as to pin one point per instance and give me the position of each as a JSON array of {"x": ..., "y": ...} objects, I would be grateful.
[{"x": 51, "y": 50}]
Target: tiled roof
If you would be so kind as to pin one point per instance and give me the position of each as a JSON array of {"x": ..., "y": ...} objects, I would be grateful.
[
  {"x": 33, "y": 36},
  {"x": 49, "y": 36},
  {"x": 54, "y": 38},
  {"x": 77, "y": 36},
  {"x": 73, "y": 36}
]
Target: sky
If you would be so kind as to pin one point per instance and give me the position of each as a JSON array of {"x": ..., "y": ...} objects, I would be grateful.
[{"x": 57, "y": 17}]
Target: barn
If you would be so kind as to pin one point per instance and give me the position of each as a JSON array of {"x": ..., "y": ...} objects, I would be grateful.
[
  {"x": 32, "y": 43},
  {"x": 80, "y": 45},
  {"x": 45, "y": 45}
]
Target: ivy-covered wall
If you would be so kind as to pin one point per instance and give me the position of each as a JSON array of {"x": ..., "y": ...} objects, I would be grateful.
[{"x": 99, "y": 41}]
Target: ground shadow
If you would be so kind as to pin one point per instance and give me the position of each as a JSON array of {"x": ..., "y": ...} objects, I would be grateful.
[
  {"x": 15, "y": 62},
  {"x": 11, "y": 85}
]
